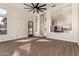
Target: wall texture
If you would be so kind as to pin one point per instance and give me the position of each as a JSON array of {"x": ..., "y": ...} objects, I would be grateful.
[
  {"x": 72, "y": 36},
  {"x": 17, "y": 18}
]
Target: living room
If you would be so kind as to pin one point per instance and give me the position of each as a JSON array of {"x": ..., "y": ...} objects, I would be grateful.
[{"x": 45, "y": 27}]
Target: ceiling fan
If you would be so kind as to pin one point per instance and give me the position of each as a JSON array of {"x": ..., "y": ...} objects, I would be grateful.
[{"x": 35, "y": 7}]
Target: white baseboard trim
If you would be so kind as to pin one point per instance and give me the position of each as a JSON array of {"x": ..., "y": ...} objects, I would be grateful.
[{"x": 13, "y": 39}]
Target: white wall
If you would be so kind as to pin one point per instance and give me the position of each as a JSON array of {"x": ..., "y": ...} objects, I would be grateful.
[
  {"x": 72, "y": 36},
  {"x": 17, "y": 19},
  {"x": 36, "y": 26},
  {"x": 71, "y": 16},
  {"x": 78, "y": 25}
]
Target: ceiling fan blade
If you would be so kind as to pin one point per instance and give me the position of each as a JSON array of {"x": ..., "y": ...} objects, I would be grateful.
[
  {"x": 33, "y": 11},
  {"x": 27, "y": 8},
  {"x": 37, "y": 4},
  {"x": 27, "y": 5},
  {"x": 43, "y": 5},
  {"x": 43, "y": 8},
  {"x": 32, "y": 4},
  {"x": 40, "y": 10},
  {"x": 30, "y": 10},
  {"x": 37, "y": 11},
  {"x": 54, "y": 5}
]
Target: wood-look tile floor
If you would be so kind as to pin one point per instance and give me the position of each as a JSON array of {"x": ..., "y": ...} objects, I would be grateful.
[{"x": 39, "y": 47}]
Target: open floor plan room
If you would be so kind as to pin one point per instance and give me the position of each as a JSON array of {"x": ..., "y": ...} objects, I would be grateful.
[{"x": 39, "y": 29}]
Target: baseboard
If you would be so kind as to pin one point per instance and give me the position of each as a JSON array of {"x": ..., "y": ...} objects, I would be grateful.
[
  {"x": 39, "y": 36},
  {"x": 14, "y": 39},
  {"x": 61, "y": 40}
]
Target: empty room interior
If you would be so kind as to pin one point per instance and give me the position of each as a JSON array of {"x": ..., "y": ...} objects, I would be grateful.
[{"x": 39, "y": 29}]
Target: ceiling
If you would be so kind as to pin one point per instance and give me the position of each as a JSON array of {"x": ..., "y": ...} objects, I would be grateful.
[
  {"x": 60, "y": 11},
  {"x": 20, "y": 5}
]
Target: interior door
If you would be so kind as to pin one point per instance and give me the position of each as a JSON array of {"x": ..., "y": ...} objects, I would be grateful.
[{"x": 30, "y": 28}]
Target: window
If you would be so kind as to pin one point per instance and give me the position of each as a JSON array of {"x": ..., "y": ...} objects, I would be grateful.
[{"x": 3, "y": 21}]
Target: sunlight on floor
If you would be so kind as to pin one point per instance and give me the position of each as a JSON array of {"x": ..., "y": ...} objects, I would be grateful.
[
  {"x": 24, "y": 48},
  {"x": 43, "y": 40},
  {"x": 26, "y": 40}
]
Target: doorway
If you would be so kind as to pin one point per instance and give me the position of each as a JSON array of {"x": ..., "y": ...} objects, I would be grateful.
[{"x": 30, "y": 28}]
